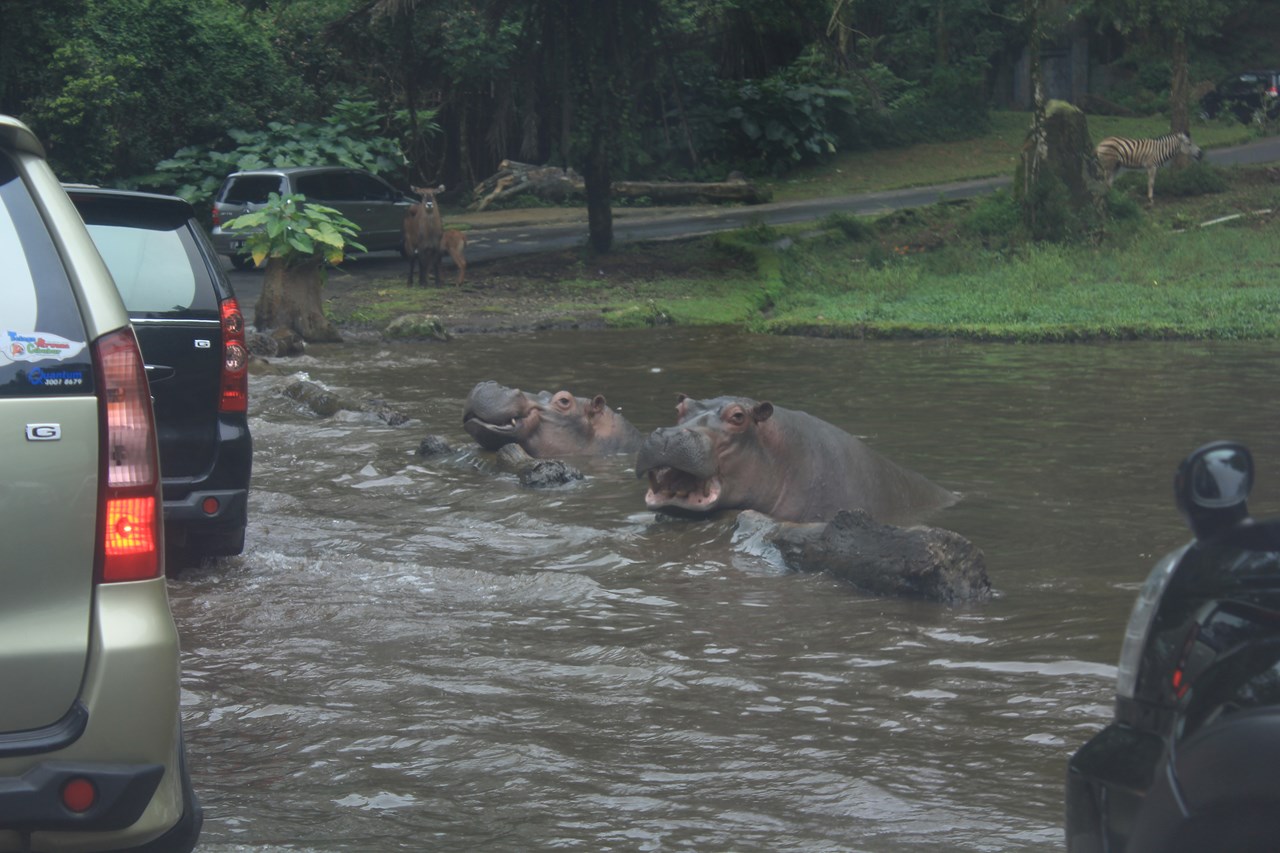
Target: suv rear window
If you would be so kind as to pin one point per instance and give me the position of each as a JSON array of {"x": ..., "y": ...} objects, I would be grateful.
[
  {"x": 344, "y": 186},
  {"x": 153, "y": 269},
  {"x": 325, "y": 186},
  {"x": 43, "y": 344},
  {"x": 151, "y": 251},
  {"x": 251, "y": 189}
]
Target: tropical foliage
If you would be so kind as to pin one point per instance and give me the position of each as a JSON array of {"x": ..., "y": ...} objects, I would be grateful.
[
  {"x": 349, "y": 136},
  {"x": 171, "y": 93},
  {"x": 296, "y": 232}
]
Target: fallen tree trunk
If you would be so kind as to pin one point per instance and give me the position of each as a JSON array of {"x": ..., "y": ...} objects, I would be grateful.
[
  {"x": 688, "y": 192},
  {"x": 552, "y": 183},
  {"x": 547, "y": 182}
]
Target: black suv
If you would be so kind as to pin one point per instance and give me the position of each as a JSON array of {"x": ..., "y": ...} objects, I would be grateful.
[
  {"x": 1249, "y": 96},
  {"x": 192, "y": 336}
]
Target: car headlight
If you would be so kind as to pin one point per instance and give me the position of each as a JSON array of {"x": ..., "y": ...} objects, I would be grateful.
[{"x": 1144, "y": 611}]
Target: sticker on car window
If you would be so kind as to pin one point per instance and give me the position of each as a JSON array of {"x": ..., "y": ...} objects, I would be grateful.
[
  {"x": 38, "y": 346},
  {"x": 56, "y": 378}
]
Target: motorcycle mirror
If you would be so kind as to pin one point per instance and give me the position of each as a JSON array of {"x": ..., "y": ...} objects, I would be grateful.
[{"x": 1212, "y": 486}]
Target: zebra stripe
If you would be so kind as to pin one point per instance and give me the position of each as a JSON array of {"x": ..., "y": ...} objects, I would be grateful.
[{"x": 1117, "y": 152}]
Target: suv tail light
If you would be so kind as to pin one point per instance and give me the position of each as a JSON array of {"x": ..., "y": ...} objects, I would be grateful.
[
  {"x": 235, "y": 360},
  {"x": 129, "y": 506},
  {"x": 1273, "y": 92},
  {"x": 216, "y": 217}
]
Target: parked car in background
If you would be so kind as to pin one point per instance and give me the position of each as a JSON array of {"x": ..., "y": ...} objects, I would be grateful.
[
  {"x": 1250, "y": 96},
  {"x": 192, "y": 334},
  {"x": 367, "y": 200},
  {"x": 91, "y": 746}
]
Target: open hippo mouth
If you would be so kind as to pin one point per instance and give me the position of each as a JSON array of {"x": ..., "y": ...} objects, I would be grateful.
[
  {"x": 496, "y": 416},
  {"x": 673, "y": 488},
  {"x": 681, "y": 469},
  {"x": 502, "y": 433}
]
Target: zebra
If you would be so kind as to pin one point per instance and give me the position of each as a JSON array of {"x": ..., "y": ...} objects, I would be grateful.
[{"x": 1116, "y": 152}]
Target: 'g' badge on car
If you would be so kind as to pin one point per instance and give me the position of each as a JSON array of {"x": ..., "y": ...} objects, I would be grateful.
[{"x": 44, "y": 432}]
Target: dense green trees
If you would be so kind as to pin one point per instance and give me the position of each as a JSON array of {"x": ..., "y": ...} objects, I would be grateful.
[
  {"x": 612, "y": 88},
  {"x": 1170, "y": 27},
  {"x": 113, "y": 86}
]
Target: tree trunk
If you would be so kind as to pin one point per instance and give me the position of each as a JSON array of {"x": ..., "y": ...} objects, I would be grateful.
[
  {"x": 1037, "y": 147},
  {"x": 599, "y": 192},
  {"x": 1065, "y": 194},
  {"x": 464, "y": 142},
  {"x": 291, "y": 300},
  {"x": 941, "y": 47},
  {"x": 554, "y": 184},
  {"x": 684, "y": 118},
  {"x": 1179, "y": 120}
]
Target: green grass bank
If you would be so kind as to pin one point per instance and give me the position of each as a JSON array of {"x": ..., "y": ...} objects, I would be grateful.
[{"x": 1201, "y": 264}]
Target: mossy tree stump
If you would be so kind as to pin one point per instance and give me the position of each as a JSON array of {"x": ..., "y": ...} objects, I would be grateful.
[
  {"x": 1059, "y": 182},
  {"x": 291, "y": 299}
]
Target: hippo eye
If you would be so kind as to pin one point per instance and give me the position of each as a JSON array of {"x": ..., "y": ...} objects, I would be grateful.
[
  {"x": 563, "y": 400},
  {"x": 737, "y": 417}
]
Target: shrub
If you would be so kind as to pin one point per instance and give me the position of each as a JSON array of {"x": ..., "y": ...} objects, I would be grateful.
[
  {"x": 992, "y": 219},
  {"x": 777, "y": 124},
  {"x": 951, "y": 106},
  {"x": 854, "y": 227},
  {"x": 1195, "y": 179},
  {"x": 758, "y": 232},
  {"x": 295, "y": 232},
  {"x": 1046, "y": 208}
]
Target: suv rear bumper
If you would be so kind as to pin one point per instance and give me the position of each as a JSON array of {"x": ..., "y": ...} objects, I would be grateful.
[
  {"x": 124, "y": 734},
  {"x": 215, "y": 500},
  {"x": 231, "y": 509},
  {"x": 227, "y": 243},
  {"x": 33, "y": 800},
  {"x": 32, "y": 803}
]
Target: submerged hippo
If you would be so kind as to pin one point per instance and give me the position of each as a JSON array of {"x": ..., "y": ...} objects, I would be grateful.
[
  {"x": 546, "y": 425},
  {"x": 736, "y": 453}
]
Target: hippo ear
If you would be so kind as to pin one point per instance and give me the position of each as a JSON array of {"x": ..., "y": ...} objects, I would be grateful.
[
  {"x": 762, "y": 411},
  {"x": 681, "y": 408},
  {"x": 597, "y": 405}
]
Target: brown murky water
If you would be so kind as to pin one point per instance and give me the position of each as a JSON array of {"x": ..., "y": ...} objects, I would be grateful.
[{"x": 424, "y": 655}]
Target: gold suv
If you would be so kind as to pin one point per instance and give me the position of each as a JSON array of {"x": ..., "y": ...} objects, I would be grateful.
[{"x": 91, "y": 750}]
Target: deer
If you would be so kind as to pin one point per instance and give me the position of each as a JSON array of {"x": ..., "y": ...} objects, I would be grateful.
[
  {"x": 454, "y": 242},
  {"x": 423, "y": 233}
]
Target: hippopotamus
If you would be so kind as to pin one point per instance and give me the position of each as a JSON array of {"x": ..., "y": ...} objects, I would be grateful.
[
  {"x": 546, "y": 425},
  {"x": 737, "y": 453}
]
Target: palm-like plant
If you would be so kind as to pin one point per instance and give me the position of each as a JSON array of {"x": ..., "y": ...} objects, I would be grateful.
[{"x": 295, "y": 239}]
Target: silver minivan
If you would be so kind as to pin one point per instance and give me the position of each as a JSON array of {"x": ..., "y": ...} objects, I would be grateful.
[
  {"x": 367, "y": 200},
  {"x": 91, "y": 745}
]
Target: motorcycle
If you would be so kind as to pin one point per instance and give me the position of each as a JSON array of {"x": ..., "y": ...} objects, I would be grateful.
[{"x": 1191, "y": 760}]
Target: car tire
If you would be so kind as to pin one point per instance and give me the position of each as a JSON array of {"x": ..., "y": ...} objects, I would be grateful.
[
  {"x": 242, "y": 262},
  {"x": 224, "y": 543}
]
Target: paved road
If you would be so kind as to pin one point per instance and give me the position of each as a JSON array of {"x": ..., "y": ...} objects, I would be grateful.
[{"x": 633, "y": 225}]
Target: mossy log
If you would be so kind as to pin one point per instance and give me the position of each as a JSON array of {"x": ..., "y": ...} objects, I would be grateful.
[{"x": 552, "y": 183}]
